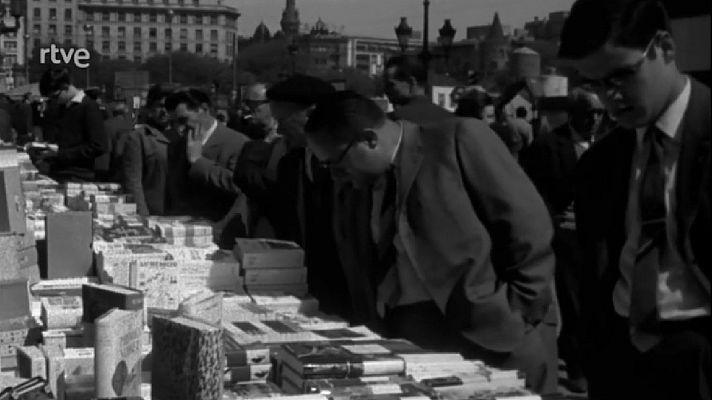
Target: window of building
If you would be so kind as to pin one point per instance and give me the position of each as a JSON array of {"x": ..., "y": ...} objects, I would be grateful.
[
  {"x": 105, "y": 46},
  {"x": 230, "y": 21},
  {"x": 68, "y": 30},
  {"x": 184, "y": 34},
  {"x": 152, "y": 32},
  {"x": 137, "y": 47},
  {"x": 196, "y": 2},
  {"x": 213, "y": 49},
  {"x": 152, "y": 17},
  {"x": 152, "y": 46},
  {"x": 122, "y": 57},
  {"x": 36, "y": 28},
  {"x": 168, "y": 46},
  {"x": 90, "y": 44},
  {"x": 10, "y": 44},
  {"x": 122, "y": 45},
  {"x": 213, "y": 20},
  {"x": 122, "y": 31},
  {"x": 183, "y": 46},
  {"x": 105, "y": 32},
  {"x": 198, "y": 34},
  {"x": 68, "y": 14},
  {"x": 199, "y": 48},
  {"x": 137, "y": 32},
  {"x": 183, "y": 18},
  {"x": 168, "y": 33},
  {"x": 105, "y": 16},
  {"x": 89, "y": 17},
  {"x": 137, "y": 59},
  {"x": 213, "y": 34},
  {"x": 52, "y": 14},
  {"x": 137, "y": 17},
  {"x": 165, "y": 2},
  {"x": 122, "y": 17},
  {"x": 228, "y": 50},
  {"x": 37, "y": 12},
  {"x": 37, "y": 43},
  {"x": 53, "y": 29}
]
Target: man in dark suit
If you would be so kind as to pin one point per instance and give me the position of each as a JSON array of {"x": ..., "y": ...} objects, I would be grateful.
[
  {"x": 81, "y": 137},
  {"x": 551, "y": 163},
  {"x": 405, "y": 80},
  {"x": 212, "y": 151},
  {"x": 643, "y": 207},
  {"x": 464, "y": 261}
]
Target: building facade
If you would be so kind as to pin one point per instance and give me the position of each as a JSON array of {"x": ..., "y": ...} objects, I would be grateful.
[
  {"x": 12, "y": 50},
  {"x": 135, "y": 29}
]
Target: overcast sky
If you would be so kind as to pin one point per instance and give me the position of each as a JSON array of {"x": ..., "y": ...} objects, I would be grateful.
[{"x": 378, "y": 17}]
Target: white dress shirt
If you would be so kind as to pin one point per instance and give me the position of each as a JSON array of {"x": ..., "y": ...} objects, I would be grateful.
[
  {"x": 210, "y": 132},
  {"x": 683, "y": 291}
]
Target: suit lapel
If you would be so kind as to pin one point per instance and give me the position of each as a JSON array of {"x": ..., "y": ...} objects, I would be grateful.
[{"x": 694, "y": 153}]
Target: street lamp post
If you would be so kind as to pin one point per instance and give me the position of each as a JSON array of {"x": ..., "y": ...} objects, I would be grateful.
[
  {"x": 170, "y": 52},
  {"x": 88, "y": 31},
  {"x": 26, "y": 36},
  {"x": 404, "y": 32}
]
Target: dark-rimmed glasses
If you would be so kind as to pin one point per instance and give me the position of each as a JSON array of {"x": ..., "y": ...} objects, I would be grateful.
[
  {"x": 340, "y": 158},
  {"x": 621, "y": 76}
]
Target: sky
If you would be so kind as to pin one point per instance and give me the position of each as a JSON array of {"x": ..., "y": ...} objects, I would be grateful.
[{"x": 377, "y": 18}]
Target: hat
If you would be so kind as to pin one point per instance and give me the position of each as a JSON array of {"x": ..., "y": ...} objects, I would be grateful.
[{"x": 300, "y": 89}]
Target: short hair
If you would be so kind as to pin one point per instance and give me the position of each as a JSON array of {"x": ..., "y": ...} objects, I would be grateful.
[
  {"x": 303, "y": 90},
  {"x": 521, "y": 112},
  {"x": 341, "y": 117},
  {"x": 625, "y": 23},
  {"x": 155, "y": 94},
  {"x": 407, "y": 68},
  {"x": 580, "y": 98},
  {"x": 55, "y": 78},
  {"x": 191, "y": 97}
]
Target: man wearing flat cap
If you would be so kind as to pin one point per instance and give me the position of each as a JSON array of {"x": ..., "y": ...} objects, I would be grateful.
[{"x": 294, "y": 191}]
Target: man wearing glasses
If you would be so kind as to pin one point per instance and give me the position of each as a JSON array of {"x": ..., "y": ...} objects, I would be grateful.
[
  {"x": 461, "y": 238},
  {"x": 80, "y": 137},
  {"x": 643, "y": 207}
]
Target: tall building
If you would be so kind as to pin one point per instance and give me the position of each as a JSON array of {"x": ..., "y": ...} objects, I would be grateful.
[
  {"x": 135, "y": 29},
  {"x": 495, "y": 49},
  {"x": 290, "y": 20},
  {"x": 12, "y": 48}
]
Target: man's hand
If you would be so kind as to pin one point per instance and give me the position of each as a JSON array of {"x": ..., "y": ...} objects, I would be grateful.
[{"x": 194, "y": 143}]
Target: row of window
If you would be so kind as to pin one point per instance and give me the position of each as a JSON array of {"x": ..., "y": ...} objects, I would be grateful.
[
  {"x": 166, "y": 2},
  {"x": 182, "y": 18},
  {"x": 199, "y": 48},
  {"x": 137, "y": 32},
  {"x": 37, "y": 13}
]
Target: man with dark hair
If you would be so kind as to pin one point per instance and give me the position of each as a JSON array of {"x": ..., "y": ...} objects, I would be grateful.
[
  {"x": 80, "y": 137},
  {"x": 551, "y": 163},
  {"x": 212, "y": 151},
  {"x": 643, "y": 207},
  {"x": 405, "y": 81},
  {"x": 461, "y": 238},
  {"x": 148, "y": 162},
  {"x": 294, "y": 192}
]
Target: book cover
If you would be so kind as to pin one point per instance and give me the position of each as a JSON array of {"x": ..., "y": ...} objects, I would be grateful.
[
  {"x": 268, "y": 253},
  {"x": 205, "y": 306},
  {"x": 188, "y": 360},
  {"x": 159, "y": 282},
  {"x": 248, "y": 373},
  {"x": 100, "y": 298},
  {"x": 118, "y": 337}
]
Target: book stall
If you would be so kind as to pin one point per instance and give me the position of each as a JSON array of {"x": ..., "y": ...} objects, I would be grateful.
[{"x": 98, "y": 303}]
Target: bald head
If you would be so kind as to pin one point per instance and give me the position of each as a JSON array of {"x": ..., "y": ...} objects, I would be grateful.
[{"x": 585, "y": 112}]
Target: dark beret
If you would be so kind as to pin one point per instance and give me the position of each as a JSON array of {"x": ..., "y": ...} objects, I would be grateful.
[{"x": 303, "y": 90}]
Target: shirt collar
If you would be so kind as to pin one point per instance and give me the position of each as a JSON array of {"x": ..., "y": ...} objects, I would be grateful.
[
  {"x": 669, "y": 122},
  {"x": 78, "y": 98},
  {"x": 398, "y": 146},
  {"x": 210, "y": 132},
  {"x": 577, "y": 137}
]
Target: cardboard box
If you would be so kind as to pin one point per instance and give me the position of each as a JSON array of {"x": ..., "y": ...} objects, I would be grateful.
[
  {"x": 268, "y": 253},
  {"x": 69, "y": 239},
  {"x": 12, "y": 202}
]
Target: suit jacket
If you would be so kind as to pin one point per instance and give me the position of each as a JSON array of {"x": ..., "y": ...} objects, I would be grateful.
[
  {"x": 81, "y": 139},
  {"x": 144, "y": 169},
  {"x": 211, "y": 192},
  {"x": 602, "y": 187},
  {"x": 477, "y": 231},
  {"x": 421, "y": 111},
  {"x": 117, "y": 130},
  {"x": 551, "y": 163}
]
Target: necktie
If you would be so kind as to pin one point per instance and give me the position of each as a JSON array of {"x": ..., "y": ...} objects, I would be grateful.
[{"x": 643, "y": 307}]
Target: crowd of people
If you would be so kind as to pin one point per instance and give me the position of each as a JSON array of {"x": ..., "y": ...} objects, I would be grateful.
[{"x": 502, "y": 240}]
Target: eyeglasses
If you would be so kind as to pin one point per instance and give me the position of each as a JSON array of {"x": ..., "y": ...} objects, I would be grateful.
[
  {"x": 339, "y": 159},
  {"x": 621, "y": 76}
]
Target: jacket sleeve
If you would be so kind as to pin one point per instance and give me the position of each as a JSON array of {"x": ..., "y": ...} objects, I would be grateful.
[
  {"x": 514, "y": 214},
  {"x": 218, "y": 174},
  {"x": 132, "y": 171},
  {"x": 97, "y": 141}
]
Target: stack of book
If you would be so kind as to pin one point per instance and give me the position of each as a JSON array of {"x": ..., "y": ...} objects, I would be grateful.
[
  {"x": 183, "y": 231},
  {"x": 272, "y": 265}
]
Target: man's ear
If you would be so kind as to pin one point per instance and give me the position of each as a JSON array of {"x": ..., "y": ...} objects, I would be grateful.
[
  {"x": 667, "y": 45},
  {"x": 370, "y": 137}
]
